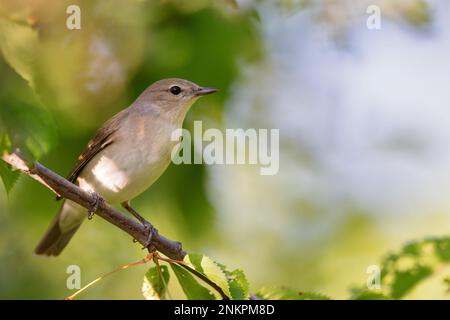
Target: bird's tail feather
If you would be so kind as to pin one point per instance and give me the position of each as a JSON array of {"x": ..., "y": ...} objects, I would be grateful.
[{"x": 62, "y": 229}]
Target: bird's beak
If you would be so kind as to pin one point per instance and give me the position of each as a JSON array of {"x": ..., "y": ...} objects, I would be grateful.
[{"x": 204, "y": 91}]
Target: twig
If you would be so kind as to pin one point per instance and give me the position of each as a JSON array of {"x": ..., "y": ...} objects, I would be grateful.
[{"x": 127, "y": 266}]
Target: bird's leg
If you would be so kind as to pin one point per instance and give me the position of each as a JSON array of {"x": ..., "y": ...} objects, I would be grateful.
[{"x": 147, "y": 225}]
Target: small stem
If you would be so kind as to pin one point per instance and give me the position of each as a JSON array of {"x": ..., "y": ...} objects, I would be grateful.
[{"x": 126, "y": 266}]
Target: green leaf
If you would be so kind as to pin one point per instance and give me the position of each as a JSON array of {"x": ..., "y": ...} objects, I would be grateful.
[
  {"x": 8, "y": 176},
  {"x": 24, "y": 124},
  {"x": 233, "y": 283},
  {"x": 24, "y": 121},
  {"x": 286, "y": 293},
  {"x": 209, "y": 269},
  {"x": 191, "y": 288},
  {"x": 238, "y": 284},
  {"x": 5, "y": 141},
  {"x": 442, "y": 249},
  {"x": 155, "y": 283},
  {"x": 18, "y": 44},
  {"x": 237, "y": 281},
  {"x": 405, "y": 281},
  {"x": 412, "y": 248}
]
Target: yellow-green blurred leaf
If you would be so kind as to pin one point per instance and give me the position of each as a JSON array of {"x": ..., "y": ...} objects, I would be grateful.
[
  {"x": 23, "y": 119},
  {"x": 18, "y": 44}
]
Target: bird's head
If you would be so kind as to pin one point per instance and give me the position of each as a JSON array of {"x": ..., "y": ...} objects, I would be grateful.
[{"x": 173, "y": 97}]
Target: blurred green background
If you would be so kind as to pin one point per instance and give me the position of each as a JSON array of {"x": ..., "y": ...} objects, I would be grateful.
[{"x": 362, "y": 115}]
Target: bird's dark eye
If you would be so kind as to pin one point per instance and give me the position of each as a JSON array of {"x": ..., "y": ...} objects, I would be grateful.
[{"x": 175, "y": 90}]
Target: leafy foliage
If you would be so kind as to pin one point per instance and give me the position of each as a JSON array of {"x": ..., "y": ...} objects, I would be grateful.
[
  {"x": 415, "y": 262},
  {"x": 400, "y": 273},
  {"x": 403, "y": 271},
  {"x": 233, "y": 283}
]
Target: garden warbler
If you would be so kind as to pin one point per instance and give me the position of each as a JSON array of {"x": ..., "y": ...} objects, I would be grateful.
[{"x": 126, "y": 156}]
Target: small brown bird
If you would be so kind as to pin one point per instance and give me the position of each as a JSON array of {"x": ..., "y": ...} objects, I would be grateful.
[{"x": 126, "y": 156}]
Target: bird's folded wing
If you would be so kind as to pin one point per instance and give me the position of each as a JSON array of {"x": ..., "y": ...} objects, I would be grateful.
[{"x": 102, "y": 139}]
